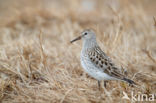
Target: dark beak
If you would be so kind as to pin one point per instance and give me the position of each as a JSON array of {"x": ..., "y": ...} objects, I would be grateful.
[{"x": 78, "y": 38}]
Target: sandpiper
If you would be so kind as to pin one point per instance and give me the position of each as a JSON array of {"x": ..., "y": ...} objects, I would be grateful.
[{"x": 95, "y": 62}]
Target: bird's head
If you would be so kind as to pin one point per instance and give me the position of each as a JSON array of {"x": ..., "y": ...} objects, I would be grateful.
[{"x": 87, "y": 34}]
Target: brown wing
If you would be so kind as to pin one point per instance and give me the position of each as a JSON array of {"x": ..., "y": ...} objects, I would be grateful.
[{"x": 102, "y": 61}]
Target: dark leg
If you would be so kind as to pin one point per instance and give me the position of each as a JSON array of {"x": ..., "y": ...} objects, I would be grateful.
[
  {"x": 99, "y": 84},
  {"x": 105, "y": 82}
]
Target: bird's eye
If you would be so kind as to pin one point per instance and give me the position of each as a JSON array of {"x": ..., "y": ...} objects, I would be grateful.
[{"x": 85, "y": 34}]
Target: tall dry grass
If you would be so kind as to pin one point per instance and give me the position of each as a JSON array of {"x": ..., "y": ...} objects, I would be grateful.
[{"x": 39, "y": 65}]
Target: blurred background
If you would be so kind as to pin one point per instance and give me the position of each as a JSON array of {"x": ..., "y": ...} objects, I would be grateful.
[
  {"x": 38, "y": 64},
  {"x": 29, "y": 11}
]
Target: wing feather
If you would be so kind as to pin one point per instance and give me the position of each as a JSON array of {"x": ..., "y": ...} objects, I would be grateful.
[{"x": 103, "y": 62}]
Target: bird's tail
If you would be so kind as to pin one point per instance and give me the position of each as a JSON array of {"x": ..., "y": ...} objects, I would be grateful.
[{"x": 131, "y": 82}]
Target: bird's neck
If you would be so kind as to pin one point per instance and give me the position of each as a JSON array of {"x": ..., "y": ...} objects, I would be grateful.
[{"x": 89, "y": 44}]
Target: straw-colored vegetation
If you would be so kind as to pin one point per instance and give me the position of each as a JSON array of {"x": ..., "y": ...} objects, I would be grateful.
[{"x": 39, "y": 65}]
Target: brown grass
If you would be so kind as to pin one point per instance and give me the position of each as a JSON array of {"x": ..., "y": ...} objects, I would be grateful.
[{"x": 39, "y": 65}]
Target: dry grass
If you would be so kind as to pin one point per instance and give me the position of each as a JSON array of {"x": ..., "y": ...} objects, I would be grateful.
[{"x": 39, "y": 65}]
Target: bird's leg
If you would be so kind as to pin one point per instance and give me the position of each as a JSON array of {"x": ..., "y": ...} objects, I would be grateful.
[
  {"x": 99, "y": 84},
  {"x": 105, "y": 82}
]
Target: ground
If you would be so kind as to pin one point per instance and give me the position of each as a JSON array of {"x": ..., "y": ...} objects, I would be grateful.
[{"x": 38, "y": 64}]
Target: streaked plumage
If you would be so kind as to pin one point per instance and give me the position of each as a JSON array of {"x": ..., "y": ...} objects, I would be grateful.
[{"x": 95, "y": 62}]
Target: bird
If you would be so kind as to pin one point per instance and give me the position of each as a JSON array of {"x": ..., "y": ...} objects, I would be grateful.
[{"x": 96, "y": 63}]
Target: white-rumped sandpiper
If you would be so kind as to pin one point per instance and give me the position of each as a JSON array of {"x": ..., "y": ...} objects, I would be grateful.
[{"x": 95, "y": 62}]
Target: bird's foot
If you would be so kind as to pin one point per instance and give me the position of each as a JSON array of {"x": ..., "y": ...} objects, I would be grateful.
[{"x": 105, "y": 83}]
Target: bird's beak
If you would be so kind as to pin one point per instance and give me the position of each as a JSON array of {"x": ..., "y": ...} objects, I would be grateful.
[{"x": 78, "y": 38}]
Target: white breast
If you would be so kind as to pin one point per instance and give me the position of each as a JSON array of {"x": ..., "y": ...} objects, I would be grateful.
[{"x": 92, "y": 70}]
